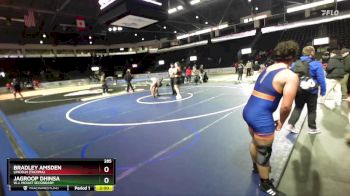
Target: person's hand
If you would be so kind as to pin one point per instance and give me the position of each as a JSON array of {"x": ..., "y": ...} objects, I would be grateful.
[{"x": 278, "y": 125}]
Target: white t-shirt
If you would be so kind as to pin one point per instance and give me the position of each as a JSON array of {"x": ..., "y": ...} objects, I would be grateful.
[{"x": 172, "y": 72}]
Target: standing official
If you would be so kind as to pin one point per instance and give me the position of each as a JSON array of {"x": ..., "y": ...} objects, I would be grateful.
[{"x": 172, "y": 72}]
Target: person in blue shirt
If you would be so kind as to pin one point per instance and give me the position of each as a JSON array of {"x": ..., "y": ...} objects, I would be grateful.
[{"x": 308, "y": 97}]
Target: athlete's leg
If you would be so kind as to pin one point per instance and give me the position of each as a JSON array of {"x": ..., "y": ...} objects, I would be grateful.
[
  {"x": 263, "y": 149},
  {"x": 300, "y": 101},
  {"x": 252, "y": 150},
  {"x": 20, "y": 94}
]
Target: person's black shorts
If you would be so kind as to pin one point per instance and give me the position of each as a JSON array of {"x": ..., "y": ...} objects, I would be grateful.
[
  {"x": 177, "y": 81},
  {"x": 17, "y": 88}
]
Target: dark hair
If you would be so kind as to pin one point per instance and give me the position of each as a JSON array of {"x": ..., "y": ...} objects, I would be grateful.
[{"x": 286, "y": 50}]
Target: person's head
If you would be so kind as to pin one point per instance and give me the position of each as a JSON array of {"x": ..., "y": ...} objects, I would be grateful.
[
  {"x": 128, "y": 70},
  {"x": 309, "y": 51},
  {"x": 286, "y": 52},
  {"x": 345, "y": 52},
  {"x": 177, "y": 65},
  {"x": 335, "y": 53},
  {"x": 325, "y": 57},
  {"x": 172, "y": 65}
]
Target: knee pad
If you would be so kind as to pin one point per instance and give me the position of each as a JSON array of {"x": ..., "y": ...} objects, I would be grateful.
[{"x": 263, "y": 155}]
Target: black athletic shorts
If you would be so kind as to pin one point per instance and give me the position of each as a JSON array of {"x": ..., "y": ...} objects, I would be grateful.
[
  {"x": 177, "y": 80},
  {"x": 17, "y": 88}
]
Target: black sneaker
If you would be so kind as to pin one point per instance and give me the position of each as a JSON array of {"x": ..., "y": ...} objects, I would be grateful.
[{"x": 268, "y": 188}]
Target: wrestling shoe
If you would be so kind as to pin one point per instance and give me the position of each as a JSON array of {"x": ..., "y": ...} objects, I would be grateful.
[
  {"x": 268, "y": 187},
  {"x": 292, "y": 129},
  {"x": 314, "y": 131}
]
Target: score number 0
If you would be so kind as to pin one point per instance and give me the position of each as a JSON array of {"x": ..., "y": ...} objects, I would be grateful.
[{"x": 106, "y": 170}]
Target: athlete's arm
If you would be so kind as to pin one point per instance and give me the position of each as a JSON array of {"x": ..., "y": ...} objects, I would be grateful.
[{"x": 289, "y": 93}]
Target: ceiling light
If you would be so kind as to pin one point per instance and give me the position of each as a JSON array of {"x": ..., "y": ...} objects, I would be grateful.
[
  {"x": 110, "y": 29},
  {"x": 135, "y": 34},
  {"x": 304, "y": 23},
  {"x": 206, "y": 22},
  {"x": 234, "y": 36},
  {"x": 310, "y": 5},
  {"x": 121, "y": 49},
  {"x": 256, "y": 8},
  {"x": 44, "y": 35},
  {"x": 172, "y": 10},
  {"x": 197, "y": 17},
  {"x": 200, "y": 43},
  {"x": 41, "y": 42},
  {"x": 164, "y": 27},
  {"x": 193, "y": 2},
  {"x": 260, "y": 17},
  {"x": 154, "y": 2},
  {"x": 90, "y": 37},
  {"x": 90, "y": 42},
  {"x": 175, "y": 31},
  {"x": 183, "y": 36},
  {"x": 180, "y": 7},
  {"x": 114, "y": 29},
  {"x": 143, "y": 39},
  {"x": 105, "y": 3},
  {"x": 120, "y": 28},
  {"x": 203, "y": 31}
]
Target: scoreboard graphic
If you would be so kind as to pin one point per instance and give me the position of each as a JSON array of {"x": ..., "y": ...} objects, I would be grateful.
[{"x": 61, "y": 174}]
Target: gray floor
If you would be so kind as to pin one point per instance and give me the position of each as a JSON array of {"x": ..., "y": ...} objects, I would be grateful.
[{"x": 319, "y": 164}]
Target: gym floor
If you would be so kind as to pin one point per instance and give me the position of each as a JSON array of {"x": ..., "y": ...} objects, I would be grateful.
[{"x": 194, "y": 146}]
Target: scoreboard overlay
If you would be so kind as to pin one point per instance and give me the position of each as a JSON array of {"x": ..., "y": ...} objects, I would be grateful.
[{"x": 61, "y": 174}]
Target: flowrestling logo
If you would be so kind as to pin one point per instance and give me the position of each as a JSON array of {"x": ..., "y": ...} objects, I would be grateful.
[{"x": 330, "y": 12}]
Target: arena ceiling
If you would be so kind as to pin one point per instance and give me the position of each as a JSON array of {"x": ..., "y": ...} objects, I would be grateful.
[{"x": 57, "y": 20}]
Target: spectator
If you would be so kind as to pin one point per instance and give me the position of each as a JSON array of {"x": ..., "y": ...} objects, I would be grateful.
[
  {"x": 240, "y": 70},
  {"x": 196, "y": 75},
  {"x": 235, "y": 65},
  {"x": 308, "y": 97},
  {"x": 188, "y": 74},
  {"x": 9, "y": 87},
  {"x": 335, "y": 73},
  {"x": 128, "y": 77},
  {"x": 249, "y": 67},
  {"x": 104, "y": 84},
  {"x": 345, "y": 82},
  {"x": 201, "y": 71}
]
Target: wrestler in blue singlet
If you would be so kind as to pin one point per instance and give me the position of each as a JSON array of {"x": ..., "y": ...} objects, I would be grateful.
[{"x": 262, "y": 103}]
